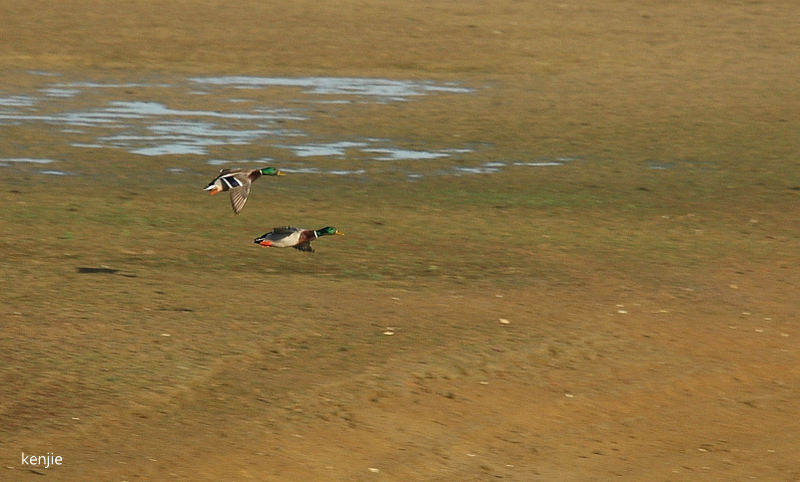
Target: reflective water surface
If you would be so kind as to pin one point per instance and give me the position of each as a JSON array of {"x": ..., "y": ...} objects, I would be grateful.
[{"x": 164, "y": 126}]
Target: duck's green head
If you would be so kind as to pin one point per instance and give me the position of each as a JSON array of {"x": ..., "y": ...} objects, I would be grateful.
[
  {"x": 271, "y": 171},
  {"x": 327, "y": 230}
]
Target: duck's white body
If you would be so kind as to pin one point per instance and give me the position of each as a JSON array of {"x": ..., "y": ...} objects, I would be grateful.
[
  {"x": 291, "y": 237},
  {"x": 285, "y": 237}
]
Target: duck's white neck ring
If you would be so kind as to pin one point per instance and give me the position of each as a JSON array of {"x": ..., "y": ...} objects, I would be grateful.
[{"x": 315, "y": 234}]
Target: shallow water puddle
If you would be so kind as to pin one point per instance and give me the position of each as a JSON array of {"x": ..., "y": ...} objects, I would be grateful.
[
  {"x": 329, "y": 149},
  {"x": 163, "y": 120},
  {"x": 21, "y": 160},
  {"x": 405, "y": 154},
  {"x": 314, "y": 170},
  {"x": 55, "y": 173},
  {"x": 120, "y": 109},
  {"x": 6, "y": 162},
  {"x": 386, "y": 89},
  {"x": 58, "y": 92},
  {"x": 17, "y": 101}
]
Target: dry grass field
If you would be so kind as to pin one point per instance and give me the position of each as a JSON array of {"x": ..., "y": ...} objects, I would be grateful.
[{"x": 629, "y": 314}]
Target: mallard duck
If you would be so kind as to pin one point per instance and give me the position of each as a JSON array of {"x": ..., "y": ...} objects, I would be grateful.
[
  {"x": 238, "y": 182},
  {"x": 291, "y": 237}
]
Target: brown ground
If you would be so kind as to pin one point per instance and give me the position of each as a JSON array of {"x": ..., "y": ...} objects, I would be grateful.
[{"x": 652, "y": 314}]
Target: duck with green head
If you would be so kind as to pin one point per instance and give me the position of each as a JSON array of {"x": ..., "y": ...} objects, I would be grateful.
[
  {"x": 291, "y": 237},
  {"x": 238, "y": 182}
]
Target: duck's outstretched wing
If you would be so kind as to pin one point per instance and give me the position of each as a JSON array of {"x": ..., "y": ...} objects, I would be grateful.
[
  {"x": 285, "y": 230},
  {"x": 239, "y": 197},
  {"x": 304, "y": 247}
]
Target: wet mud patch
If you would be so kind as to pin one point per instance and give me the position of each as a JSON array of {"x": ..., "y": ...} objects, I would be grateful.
[{"x": 211, "y": 120}]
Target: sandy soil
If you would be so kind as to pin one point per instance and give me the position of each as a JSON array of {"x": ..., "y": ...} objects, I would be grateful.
[{"x": 593, "y": 322}]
